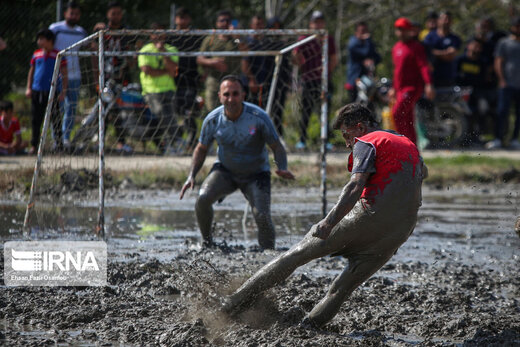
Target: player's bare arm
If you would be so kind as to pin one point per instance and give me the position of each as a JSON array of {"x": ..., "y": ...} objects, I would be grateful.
[
  {"x": 280, "y": 158},
  {"x": 198, "y": 158}
]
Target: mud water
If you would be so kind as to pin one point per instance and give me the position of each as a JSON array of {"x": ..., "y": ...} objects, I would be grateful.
[{"x": 454, "y": 282}]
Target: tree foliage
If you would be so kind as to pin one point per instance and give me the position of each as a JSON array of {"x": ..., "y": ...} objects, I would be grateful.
[{"x": 21, "y": 19}]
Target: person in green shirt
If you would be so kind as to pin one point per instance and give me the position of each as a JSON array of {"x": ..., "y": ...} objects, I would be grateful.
[{"x": 158, "y": 85}]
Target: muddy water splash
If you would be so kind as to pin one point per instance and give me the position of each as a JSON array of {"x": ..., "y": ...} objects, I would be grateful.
[{"x": 455, "y": 281}]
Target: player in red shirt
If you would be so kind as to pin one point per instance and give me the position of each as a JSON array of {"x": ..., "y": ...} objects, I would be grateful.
[
  {"x": 10, "y": 133},
  {"x": 375, "y": 214},
  {"x": 411, "y": 77}
]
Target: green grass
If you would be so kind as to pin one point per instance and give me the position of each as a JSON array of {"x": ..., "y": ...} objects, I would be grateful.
[
  {"x": 462, "y": 169},
  {"x": 468, "y": 160},
  {"x": 472, "y": 169}
]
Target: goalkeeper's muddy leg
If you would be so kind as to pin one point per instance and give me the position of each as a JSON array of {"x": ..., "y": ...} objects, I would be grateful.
[{"x": 216, "y": 186}]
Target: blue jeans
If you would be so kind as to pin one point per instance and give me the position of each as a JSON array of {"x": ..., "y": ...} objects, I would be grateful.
[
  {"x": 505, "y": 96},
  {"x": 71, "y": 102}
]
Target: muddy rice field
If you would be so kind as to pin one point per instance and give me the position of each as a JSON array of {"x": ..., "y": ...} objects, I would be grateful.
[{"x": 455, "y": 282}]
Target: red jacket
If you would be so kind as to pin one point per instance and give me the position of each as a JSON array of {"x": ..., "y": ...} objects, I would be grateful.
[
  {"x": 411, "y": 70},
  {"x": 9, "y": 131}
]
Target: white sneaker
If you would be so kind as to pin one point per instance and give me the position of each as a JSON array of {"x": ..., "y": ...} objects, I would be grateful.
[
  {"x": 514, "y": 145},
  {"x": 495, "y": 144}
]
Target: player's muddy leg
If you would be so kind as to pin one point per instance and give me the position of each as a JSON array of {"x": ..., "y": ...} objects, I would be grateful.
[
  {"x": 359, "y": 269},
  {"x": 276, "y": 271},
  {"x": 258, "y": 193},
  {"x": 217, "y": 185}
]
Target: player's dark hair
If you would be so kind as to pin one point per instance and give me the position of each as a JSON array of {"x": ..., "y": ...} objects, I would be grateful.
[
  {"x": 6, "y": 105},
  {"x": 45, "y": 33},
  {"x": 354, "y": 113},
  {"x": 232, "y": 78}
]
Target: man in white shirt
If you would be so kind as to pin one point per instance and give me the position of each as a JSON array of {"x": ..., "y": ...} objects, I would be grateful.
[{"x": 67, "y": 33}]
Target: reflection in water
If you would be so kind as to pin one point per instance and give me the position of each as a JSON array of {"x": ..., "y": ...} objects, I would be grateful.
[
  {"x": 454, "y": 220},
  {"x": 142, "y": 223}
]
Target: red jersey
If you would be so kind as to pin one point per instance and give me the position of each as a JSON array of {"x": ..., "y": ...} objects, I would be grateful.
[
  {"x": 391, "y": 150},
  {"x": 8, "y": 131},
  {"x": 411, "y": 70}
]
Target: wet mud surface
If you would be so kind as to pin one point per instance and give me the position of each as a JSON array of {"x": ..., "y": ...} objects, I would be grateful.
[{"x": 454, "y": 282}]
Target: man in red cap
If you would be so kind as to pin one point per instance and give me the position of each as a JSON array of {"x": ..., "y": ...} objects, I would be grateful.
[{"x": 411, "y": 77}]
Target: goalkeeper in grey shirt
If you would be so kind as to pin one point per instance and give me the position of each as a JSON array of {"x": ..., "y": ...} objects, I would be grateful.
[{"x": 241, "y": 130}]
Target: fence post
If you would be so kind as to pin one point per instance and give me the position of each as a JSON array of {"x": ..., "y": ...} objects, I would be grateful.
[
  {"x": 101, "y": 170},
  {"x": 324, "y": 120},
  {"x": 38, "y": 164}
]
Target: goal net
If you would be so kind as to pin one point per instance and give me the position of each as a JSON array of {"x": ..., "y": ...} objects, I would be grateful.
[{"x": 142, "y": 96}]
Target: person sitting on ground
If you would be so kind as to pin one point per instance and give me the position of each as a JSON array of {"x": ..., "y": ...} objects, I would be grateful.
[
  {"x": 10, "y": 132},
  {"x": 241, "y": 130},
  {"x": 374, "y": 216}
]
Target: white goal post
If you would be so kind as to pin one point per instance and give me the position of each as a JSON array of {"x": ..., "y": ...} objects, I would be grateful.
[{"x": 97, "y": 104}]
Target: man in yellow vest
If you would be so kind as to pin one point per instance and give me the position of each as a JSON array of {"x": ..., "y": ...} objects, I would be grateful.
[{"x": 158, "y": 85}]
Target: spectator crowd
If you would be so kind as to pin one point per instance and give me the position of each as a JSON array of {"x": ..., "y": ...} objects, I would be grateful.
[{"x": 426, "y": 58}]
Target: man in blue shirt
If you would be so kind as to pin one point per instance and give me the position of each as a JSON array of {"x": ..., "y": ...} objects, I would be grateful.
[
  {"x": 442, "y": 47},
  {"x": 67, "y": 33},
  {"x": 241, "y": 130},
  {"x": 362, "y": 57}
]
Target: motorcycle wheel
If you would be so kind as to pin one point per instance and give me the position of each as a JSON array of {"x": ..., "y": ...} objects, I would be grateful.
[
  {"x": 87, "y": 133},
  {"x": 451, "y": 127}
]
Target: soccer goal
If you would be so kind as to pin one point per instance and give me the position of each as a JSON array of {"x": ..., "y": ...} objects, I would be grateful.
[{"x": 135, "y": 112}]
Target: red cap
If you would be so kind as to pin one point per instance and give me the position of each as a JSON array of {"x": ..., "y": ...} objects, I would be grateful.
[{"x": 403, "y": 23}]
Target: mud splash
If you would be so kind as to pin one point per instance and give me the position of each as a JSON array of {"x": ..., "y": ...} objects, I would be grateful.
[{"x": 455, "y": 281}]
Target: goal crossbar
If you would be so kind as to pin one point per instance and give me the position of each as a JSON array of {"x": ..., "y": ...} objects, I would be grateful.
[{"x": 101, "y": 53}]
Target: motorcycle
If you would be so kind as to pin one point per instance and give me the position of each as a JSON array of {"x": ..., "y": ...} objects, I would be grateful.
[
  {"x": 373, "y": 93},
  {"x": 125, "y": 108},
  {"x": 441, "y": 123},
  {"x": 444, "y": 121}
]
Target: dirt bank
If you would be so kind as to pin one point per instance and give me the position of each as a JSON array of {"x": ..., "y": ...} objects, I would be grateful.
[{"x": 79, "y": 178}]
